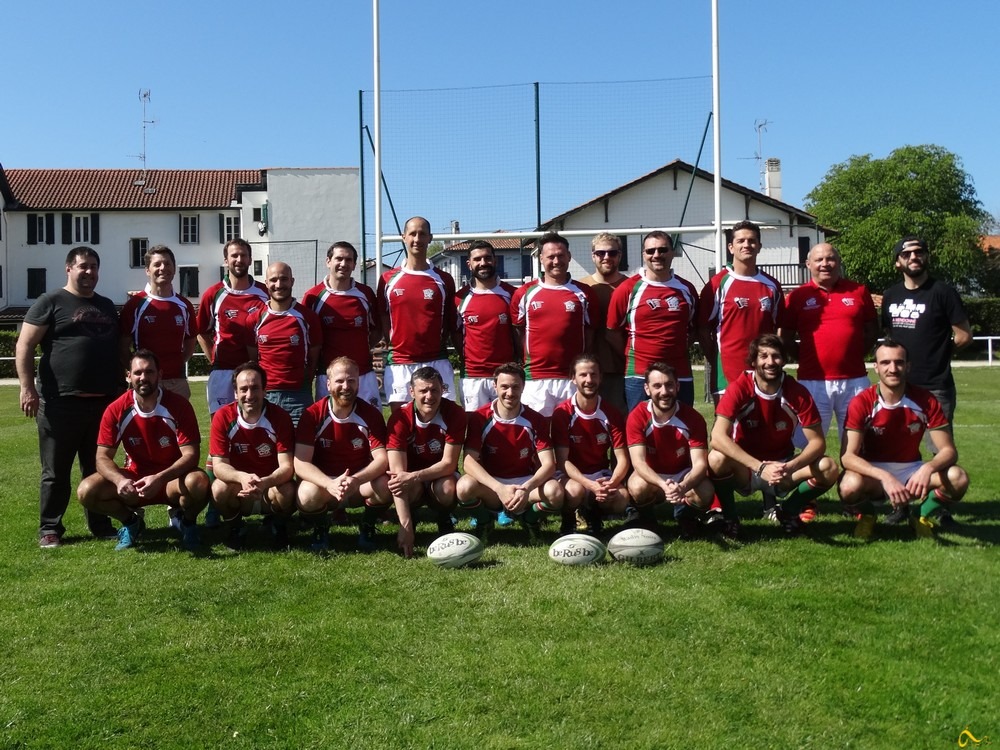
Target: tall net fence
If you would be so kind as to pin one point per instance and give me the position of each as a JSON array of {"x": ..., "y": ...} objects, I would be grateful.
[{"x": 511, "y": 157}]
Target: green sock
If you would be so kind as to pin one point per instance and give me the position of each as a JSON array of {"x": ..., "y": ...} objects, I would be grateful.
[
  {"x": 800, "y": 497},
  {"x": 930, "y": 505}
]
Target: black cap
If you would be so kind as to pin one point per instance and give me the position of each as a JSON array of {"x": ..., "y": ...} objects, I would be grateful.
[{"x": 909, "y": 240}]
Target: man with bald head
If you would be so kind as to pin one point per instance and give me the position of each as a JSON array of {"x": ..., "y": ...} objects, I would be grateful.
[
  {"x": 285, "y": 338},
  {"x": 836, "y": 324}
]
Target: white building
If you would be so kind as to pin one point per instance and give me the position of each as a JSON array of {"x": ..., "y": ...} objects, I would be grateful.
[{"x": 292, "y": 215}]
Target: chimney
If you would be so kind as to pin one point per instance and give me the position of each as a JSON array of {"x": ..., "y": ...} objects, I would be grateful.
[
  {"x": 454, "y": 227},
  {"x": 772, "y": 179}
]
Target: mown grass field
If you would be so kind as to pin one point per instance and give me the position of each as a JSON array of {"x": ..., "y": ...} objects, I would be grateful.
[{"x": 815, "y": 642}]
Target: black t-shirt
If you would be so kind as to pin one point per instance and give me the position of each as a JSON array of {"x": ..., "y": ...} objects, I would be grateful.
[
  {"x": 921, "y": 320},
  {"x": 80, "y": 347}
]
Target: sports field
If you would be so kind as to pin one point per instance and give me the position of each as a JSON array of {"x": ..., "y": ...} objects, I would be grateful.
[{"x": 820, "y": 641}]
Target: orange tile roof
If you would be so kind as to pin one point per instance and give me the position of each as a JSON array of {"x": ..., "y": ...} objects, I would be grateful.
[
  {"x": 990, "y": 242},
  {"x": 514, "y": 243},
  {"x": 107, "y": 189}
]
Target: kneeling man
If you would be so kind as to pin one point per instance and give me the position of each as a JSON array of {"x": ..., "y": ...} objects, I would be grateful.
[
  {"x": 251, "y": 443},
  {"x": 425, "y": 442},
  {"x": 752, "y": 439},
  {"x": 668, "y": 444},
  {"x": 885, "y": 424},
  {"x": 340, "y": 457},
  {"x": 159, "y": 433},
  {"x": 509, "y": 462}
]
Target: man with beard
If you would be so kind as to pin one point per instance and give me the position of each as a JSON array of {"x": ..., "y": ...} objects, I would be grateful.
[
  {"x": 586, "y": 432},
  {"x": 737, "y": 304},
  {"x": 286, "y": 339},
  {"x": 926, "y": 316},
  {"x": 160, "y": 320},
  {"x": 606, "y": 250},
  {"x": 484, "y": 326},
  {"x": 158, "y": 431},
  {"x": 78, "y": 376},
  {"x": 668, "y": 445},
  {"x": 657, "y": 310},
  {"x": 425, "y": 441},
  {"x": 222, "y": 321},
  {"x": 555, "y": 319},
  {"x": 417, "y": 305},
  {"x": 348, "y": 319},
  {"x": 509, "y": 462},
  {"x": 251, "y": 443},
  {"x": 885, "y": 425},
  {"x": 752, "y": 447},
  {"x": 340, "y": 457}
]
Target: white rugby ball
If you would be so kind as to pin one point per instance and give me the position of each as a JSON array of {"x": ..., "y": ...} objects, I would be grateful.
[
  {"x": 576, "y": 549},
  {"x": 636, "y": 547},
  {"x": 455, "y": 550}
]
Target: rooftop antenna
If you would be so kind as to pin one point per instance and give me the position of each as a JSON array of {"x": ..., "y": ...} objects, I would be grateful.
[
  {"x": 144, "y": 99},
  {"x": 760, "y": 126}
]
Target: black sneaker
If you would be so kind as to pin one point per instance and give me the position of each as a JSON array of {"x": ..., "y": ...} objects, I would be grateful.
[
  {"x": 899, "y": 515},
  {"x": 568, "y": 524},
  {"x": 713, "y": 522},
  {"x": 595, "y": 522},
  {"x": 236, "y": 534},
  {"x": 445, "y": 523},
  {"x": 790, "y": 524},
  {"x": 366, "y": 538},
  {"x": 947, "y": 521},
  {"x": 690, "y": 528},
  {"x": 732, "y": 528}
]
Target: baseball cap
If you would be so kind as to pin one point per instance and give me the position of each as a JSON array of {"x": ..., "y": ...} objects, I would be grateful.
[{"x": 909, "y": 240}]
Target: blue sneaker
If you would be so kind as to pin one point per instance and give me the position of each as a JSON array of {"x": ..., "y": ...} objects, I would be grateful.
[
  {"x": 128, "y": 535},
  {"x": 176, "y": 525},
  {"x": 212, "y": 518},
  {"x": 504, "y": 520},
  {"x": 189, "y": 537}
]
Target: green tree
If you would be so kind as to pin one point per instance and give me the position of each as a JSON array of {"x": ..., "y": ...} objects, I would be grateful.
[{"x": 921, "y": 190}]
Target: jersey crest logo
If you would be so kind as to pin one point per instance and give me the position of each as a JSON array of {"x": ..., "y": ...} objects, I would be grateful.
[
  {"x": 742, "y": 302},
  {"x": 164, "y": 442},
  {"x": 576, "y": 439},
  {"x": 231, "y": 314},
  {"x": 673, "y": 304},
  {"x": 503, "y": 318},
  {"x": 398, "y": 292},
  {"x": 654, "y": 304},
  {"x": 765, "y": 304},
  {"x": 570, "y": 306},
  {"x": 357, "y": 443},
  {"x": 262, "y": 338},
  {"x": 848, "y": 301},
  {"x": 294, "y": 340},
  {"x": 472, "y": 319},
  {"x": 434, "y": 446},
  {"x": 602, "y": 438},
  {"x": 811, "y": 303},
  {"x": 536, "y": 305},
  {"x": 358, "y": 321},
  {"x": 524, "y": 453},
  {"x": 149, "y": 319},
  {"x": 681, "y": 450},
  {"x": 264, "y": 450},
  {"x": 428, "y": 294},
  {"x": 914, "y": 428},
  {"x": 178, "y": 321},
  {"x": 135, "y": 441},
  {"x": 781, "y": 425},
  {"x": 241, "y": 448}
]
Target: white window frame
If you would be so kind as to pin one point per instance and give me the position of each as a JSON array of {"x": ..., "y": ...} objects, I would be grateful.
[
  {"x": 190, "y": 229},
  {"x": 142, "y": 244},
  {"x": 81, "y": 228},
  {"x": 232, "y": 228}
]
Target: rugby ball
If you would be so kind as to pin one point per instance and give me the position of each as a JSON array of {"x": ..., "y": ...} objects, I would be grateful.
[
  {"x": 455, "y": 550},
  {"x": 636, "y": 547},
  {"x": 576, "y": 549}
]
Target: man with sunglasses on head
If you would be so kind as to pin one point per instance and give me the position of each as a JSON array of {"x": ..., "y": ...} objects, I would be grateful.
[
  {"x": 926, "y": 316},
  {"x": 606, "y": 250},
  {"x": 656, "y": 309}
]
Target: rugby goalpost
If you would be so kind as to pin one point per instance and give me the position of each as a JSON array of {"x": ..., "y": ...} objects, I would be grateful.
[{"x": 715, "y": 228}]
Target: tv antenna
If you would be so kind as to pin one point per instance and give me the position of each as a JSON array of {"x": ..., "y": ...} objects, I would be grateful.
[
  {"x": 144, "y": 99},
  {"x": 761, "y": 127}
]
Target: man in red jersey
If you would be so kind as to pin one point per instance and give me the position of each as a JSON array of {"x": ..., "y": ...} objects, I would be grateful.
[
  {"x": 553, "y": 316},
  {"x": 158, "y": 431},
  {"x": 222, "y": 317},
  {"x": 752, "y": 447},
  {"x": 509, "y": 462},
  {"x": 484, "y": 326},
  {"x": 885, "y": 425},
  {"x": 417, "y": 305},
  {"x": 160, "y": 320},
  {"x": 286, "y": 339},
  {"x": 737, "y": 304},
  {"x": 668, "y": 445},
  {"x": 340, "y": 457},
  {"x": 425, "y": 441},
  {"x": 606, "y": 251},
  {"x": 251, "y": 443},
  {"x": 656, "y": 309},
  {"x": 835, "y": 321},
  {"x": 586, "y": 432},
  {"x": 348, "y": 318}
]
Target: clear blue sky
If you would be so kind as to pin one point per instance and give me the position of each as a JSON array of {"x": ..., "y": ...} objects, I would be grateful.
[{"x": 258, "y": 84}]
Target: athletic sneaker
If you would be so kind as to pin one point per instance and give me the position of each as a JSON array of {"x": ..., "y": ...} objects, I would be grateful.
[
  {"x": 504, "y": 520},
  {"x": 176, "y": 525},
  {"x": 582, "y": 524},
  {"x": 947, "y": 520},
  {"x": 771, "y": 515},
  {"x": 732, "y": 528},
  {"x": 212, "y": 518},
  {"x": 366, "y": 538},
  {"x": 236, "y": 536},
  {"x": 595, "y": 522},
  {"x": 49, "y": 541},
  {"x": 128, "y": 535},
  {"x": 791, "y": 525},
  {"x": 445, "y": 523},
  {"x": 568, "y": 524},
  {"x": 898, "y": 516},
  {"x": 631, "y": 514},
  {"x": 190, "y": 540},
  {"x": 923, "y": 527},
  {"x": 690, "y": 528},
  {"x": 865, "y": 526},
  {"x": 714, "y": 522}
]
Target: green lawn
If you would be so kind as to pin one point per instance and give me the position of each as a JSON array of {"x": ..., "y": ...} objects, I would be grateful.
[{"x": 814, "y": 642}]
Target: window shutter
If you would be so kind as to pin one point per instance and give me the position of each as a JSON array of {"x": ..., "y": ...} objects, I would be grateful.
[
  {"x": 67, "y": 229},
  {"x": 222, "y": 229},
  {"x": 180, "y": 228},
  {"x": 32, "y": 229},
  {"x": 50, "y": 229},
  {"x": 95, "y": 229}
]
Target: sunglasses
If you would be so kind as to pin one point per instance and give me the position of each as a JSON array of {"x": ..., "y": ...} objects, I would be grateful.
[
  {"x": 657, "y": 250},
  {"x": 907, "y": 254},
  {"x": 606, "y": 253}
]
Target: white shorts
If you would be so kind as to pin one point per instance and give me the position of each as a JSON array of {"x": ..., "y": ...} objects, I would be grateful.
[
  {"x": 396, "y": 380},
  {"x": 602, "y": 474},
  {"x": 367, "y": 389},
  {"x": 545, "y": 394},
  {"x": 477, "y": 392},
  {"x": 219, "y": 390},
  {"x": 512, "y": 481},
  {"x": 832, "y": 398},
  {"x": 902, "y": 470}
]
